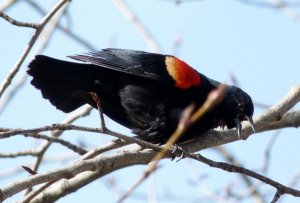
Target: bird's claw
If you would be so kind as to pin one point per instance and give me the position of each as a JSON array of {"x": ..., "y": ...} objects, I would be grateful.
[
  {"x": 250, "y": 120},
  {"x": 177, "y": 149},
  {"x": 239, "y": 125}
]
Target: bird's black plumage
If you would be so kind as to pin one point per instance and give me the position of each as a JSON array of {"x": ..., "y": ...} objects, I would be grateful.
[{"x": 143, "y": 91}]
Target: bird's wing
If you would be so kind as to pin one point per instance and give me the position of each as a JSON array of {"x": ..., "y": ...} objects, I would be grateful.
[{"x": 164, "y": 68}]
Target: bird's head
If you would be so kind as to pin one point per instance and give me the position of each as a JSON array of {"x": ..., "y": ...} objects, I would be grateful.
[{"x": 238, "y": 107}]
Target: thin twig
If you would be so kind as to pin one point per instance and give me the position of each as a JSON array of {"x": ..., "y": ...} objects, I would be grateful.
[
  {"x": 248, "y": 182},
  {"x": 43, "y": 148},
  {"x": 65, "y": 143},
  {"x": 237, "y": 169},
  {"x": 277, "y": 195},
  {"x": 266, "y": 3},
  {"x": 44, "y": 40},
  {"x": 10, "y": 95},
  {"x": 18, "y": 23},
  {"x": 6, "y": 4},
  {"x": 8, "y": 79},
  {"x": 66, "y": 127},
  {"x": 115, "y": 144},
  {"x": 68, "y": 32},
  {"x": 59, "y": 157},
  {"x": 285, "y": 9},
  {"x": 177, "y": 43},
  {"x": 267, "y": 156},
  {"x": 295, "y": 179},
  {"x": 138, "y": 25},
  {"x": 197, "y": 178},
  {"x": 18, "y": 154},
  {"x": 73, "y": 117}
]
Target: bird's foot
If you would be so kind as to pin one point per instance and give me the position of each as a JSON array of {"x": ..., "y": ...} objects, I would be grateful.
[{"x": 176, "y": 150}]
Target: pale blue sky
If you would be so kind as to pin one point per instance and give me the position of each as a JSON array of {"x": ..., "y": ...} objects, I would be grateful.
[{"x": 260, "y": 46}]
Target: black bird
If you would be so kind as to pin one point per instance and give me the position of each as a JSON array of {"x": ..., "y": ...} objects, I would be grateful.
[{"x": 145, "y": 92}]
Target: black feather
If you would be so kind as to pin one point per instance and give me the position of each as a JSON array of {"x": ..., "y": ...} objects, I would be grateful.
[{"x": 136, "y": 91}]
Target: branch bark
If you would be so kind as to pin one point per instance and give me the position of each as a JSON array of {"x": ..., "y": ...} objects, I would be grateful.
[{"x": 103, "y": 165}]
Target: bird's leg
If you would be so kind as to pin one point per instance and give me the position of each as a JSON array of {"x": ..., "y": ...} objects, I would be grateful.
[
  {"x": 177, "y": 149},
  {"x": 100, "y": 109}
]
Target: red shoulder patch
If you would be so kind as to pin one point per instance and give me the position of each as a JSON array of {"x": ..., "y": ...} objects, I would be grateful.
[{"x": 183, "y": 74}]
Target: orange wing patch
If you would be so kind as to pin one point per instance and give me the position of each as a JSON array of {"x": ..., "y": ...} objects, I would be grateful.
[{"x": 183, "y": 74}]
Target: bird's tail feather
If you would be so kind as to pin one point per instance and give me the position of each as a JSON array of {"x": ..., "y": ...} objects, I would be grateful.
[{"x": 61, "y": 82}]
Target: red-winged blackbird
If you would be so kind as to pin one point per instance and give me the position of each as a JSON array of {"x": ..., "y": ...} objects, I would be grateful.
[{"x": 146, "y": 92}]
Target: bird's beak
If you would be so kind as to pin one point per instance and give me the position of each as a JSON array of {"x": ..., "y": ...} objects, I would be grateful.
[
  {"x": 249, "y": 118},
  {"x": 238, "y": 126}
]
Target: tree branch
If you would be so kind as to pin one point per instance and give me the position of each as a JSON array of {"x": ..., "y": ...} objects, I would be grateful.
[
  {"x": 18, "y": 23},
  {"x": 103, "y": 165},
  {"x": 8, "y": 79},
  {"x": 291, "y": 99},
  {"x": 261, "y": 122},
  {"x": 138, "y": 25}
]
